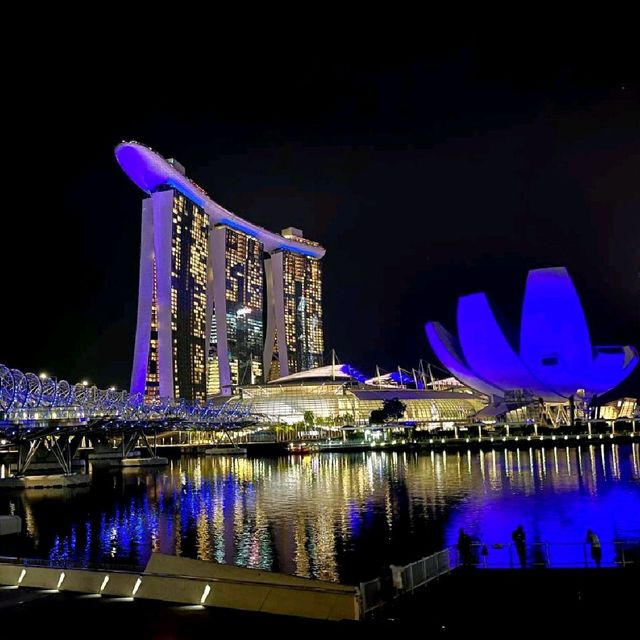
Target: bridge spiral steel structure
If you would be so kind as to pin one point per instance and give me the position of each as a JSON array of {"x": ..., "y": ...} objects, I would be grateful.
[{"x": 25, "y": 397}]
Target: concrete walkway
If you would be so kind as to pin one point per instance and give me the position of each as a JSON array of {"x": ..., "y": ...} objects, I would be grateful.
[
  {"x": 58, "y": 614},
  {"x": 516, "y": 603}
]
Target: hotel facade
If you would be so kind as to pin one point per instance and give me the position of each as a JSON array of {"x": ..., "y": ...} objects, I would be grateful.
[{"x": 222, "y": 302}]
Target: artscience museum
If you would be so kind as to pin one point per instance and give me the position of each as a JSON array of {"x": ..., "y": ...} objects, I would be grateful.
[{"x": 555, "y": 359}]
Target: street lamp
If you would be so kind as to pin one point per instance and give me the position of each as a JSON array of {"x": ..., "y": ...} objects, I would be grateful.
[
  {"x": 45, "y": 376},
  {"x": 85, "y": 383}
]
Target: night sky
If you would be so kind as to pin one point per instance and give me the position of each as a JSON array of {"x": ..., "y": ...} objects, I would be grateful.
[{"x": 426, "y": 175}]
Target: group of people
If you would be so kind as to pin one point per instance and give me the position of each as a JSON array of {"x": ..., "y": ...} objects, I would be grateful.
[{"x": 465, "y": 547}]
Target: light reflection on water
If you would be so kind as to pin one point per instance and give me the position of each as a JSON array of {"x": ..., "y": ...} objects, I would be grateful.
[{"x": 334, "y": 516}]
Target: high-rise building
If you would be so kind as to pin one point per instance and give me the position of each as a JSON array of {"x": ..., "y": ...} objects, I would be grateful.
[
  {"x": 294, "y": 320},
  {"x": 202, "y": 306},
  {"x": 171, "y": 333},
  {"x": 237, "y": 326}
]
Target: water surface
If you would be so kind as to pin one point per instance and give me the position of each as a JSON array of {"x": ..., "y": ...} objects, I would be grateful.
[{"x": 335, "y": 516}]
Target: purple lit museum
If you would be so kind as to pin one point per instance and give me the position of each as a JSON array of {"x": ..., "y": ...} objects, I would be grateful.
[{"x": 556, "y": 359}]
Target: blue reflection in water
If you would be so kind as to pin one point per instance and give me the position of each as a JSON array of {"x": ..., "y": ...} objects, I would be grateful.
[
  {"x": 556, "y": 498},
  {"x": 343, "y": 516},
  {"x": 355, "y": 519}
]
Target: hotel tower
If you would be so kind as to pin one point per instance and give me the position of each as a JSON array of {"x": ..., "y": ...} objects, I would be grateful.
[{"x": 222, "y": 302}]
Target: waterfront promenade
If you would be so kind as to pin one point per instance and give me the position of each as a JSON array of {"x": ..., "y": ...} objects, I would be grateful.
[
  {"x": 467, "y": 603},
  {"x": 517, "y": 603},
  {"x": 470, "y": 438}
]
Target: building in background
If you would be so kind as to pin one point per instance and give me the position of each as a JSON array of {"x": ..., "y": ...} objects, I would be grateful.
[
  {"x": 295, "y": 340},
  {"x": 333, "y": 396},
  {"x": 556, "y": 362},
  {"x": 237, "y": 325},
  {"x": 171, "y": 331},
  {"x": 203, "y": 309}
]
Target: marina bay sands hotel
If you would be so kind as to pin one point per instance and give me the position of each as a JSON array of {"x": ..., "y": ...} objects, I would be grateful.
[{"x": 222, "y": 302}]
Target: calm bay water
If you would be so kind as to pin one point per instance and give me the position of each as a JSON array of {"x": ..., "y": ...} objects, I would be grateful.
[{"x": 333, "y": 516}]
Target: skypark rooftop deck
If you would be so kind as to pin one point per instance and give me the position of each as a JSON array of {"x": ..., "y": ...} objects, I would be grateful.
[{"x": 151, "y": 172}]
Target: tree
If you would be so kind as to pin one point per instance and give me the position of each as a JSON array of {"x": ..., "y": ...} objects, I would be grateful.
[
  {"x": 309, "y": 419},
  {"x": 391, "y": 409}
]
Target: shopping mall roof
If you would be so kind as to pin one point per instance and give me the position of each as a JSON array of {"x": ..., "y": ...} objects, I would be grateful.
[{"x": 328, "y": 373}]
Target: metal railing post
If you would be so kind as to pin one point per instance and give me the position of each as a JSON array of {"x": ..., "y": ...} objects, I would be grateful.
[{"x": 363, "y": 598}]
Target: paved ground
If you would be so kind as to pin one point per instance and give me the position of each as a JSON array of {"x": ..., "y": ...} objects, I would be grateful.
[
  {"x": 514, "y": 603},
  {"x": 471, "y": 603},
  {"x": 52, "y": 614}
]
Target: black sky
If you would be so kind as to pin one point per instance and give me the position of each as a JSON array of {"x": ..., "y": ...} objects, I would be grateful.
[{"x": 425, "y": 174}]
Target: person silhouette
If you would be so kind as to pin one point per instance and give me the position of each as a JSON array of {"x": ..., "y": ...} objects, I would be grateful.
[
  {"x": 596, "y": 549},
  {"x": 518, "y": 536},
  {"x": 464, "y": 548}
]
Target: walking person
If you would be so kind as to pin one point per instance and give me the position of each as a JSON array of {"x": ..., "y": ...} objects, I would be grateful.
[
  {"x": 518, "y": 536},
  {"x": 596, "y": 548}
]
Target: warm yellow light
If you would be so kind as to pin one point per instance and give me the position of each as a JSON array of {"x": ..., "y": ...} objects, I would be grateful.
[
  {"x": 85, "y": 383},
  {"x": 43, "y": 376}
]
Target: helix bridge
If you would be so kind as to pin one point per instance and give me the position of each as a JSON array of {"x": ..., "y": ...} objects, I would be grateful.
[{"x": 45, "y": 414}]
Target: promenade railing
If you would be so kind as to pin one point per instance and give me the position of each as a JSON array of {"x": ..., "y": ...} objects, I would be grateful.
[
  {"x": 553, "y": 555},
  {"x": 404, "y": 580}
]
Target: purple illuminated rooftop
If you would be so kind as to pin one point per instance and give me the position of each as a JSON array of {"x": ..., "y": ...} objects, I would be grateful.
[{"x": 151, "y": 172}]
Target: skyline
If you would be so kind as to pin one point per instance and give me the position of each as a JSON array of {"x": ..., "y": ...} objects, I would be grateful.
[{"x": 416, "y": 147}]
